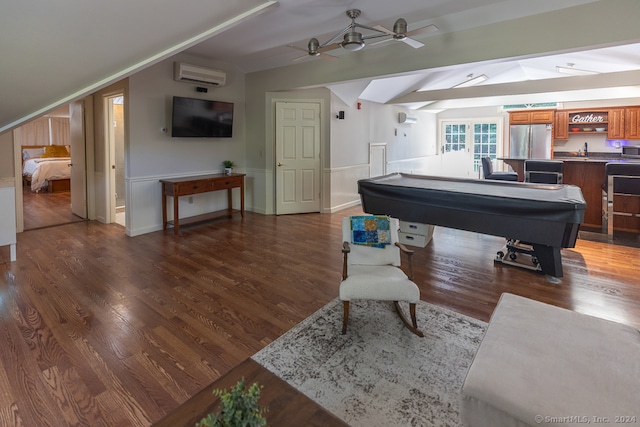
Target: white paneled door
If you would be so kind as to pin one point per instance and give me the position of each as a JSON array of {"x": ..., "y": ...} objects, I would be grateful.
[
  {"x": 377, "y": 159},
  {"x": 297, "y": 157}
]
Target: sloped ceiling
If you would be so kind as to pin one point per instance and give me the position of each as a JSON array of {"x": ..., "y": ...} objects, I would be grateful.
[
  {"x": 54, "y": 52},
  {"x": 57, "y": 51}
]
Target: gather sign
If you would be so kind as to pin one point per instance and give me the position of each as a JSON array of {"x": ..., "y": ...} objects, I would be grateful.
[{"x": 588, "y": 118}]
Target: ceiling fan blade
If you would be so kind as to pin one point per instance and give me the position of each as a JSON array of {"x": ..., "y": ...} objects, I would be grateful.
[
  {"x": 299, "y": 58},
  {"x": 297, "y": 48},
  {"x": 413, "y": 43},
  {"x": 329, "y": 48},
  {"x": 328, "y": 57},
  {"x": 422, "y": 30},
  {"x": 380, "y": 42},
  {"x": 384, "y": 30},
  {"x": 320, "y": 54}
]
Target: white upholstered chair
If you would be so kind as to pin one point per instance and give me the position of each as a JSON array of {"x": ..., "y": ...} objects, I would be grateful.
[{"x": 374, "y": 273}]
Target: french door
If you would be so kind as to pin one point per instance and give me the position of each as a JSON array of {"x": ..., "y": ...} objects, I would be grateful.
[{"x": 465, "y": 142}]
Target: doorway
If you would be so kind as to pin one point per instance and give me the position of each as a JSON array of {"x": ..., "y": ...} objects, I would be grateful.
[
  {"x": 466, "y": 142},
  {"x": 297, "y": 157},
  {"x": 46, "y": 192},
  {"x": 115, "y": 131}
]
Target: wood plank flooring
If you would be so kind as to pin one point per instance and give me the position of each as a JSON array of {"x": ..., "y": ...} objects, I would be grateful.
[
  {"x": 101, "y": 329},
  {"x": 46, "y": 209}
]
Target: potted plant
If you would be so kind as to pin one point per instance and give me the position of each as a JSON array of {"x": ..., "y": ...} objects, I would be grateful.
[
  {"x": 228, "y": 167},
  {"x": 238, "y": 408}
]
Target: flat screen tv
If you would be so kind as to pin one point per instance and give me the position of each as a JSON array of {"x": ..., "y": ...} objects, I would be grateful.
[{"x": 201, "y": 118}]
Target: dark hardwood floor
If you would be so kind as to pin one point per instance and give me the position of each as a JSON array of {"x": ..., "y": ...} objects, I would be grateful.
[
  {"x": 101, "y": 329},
  {"x": 44, "y": 209}
]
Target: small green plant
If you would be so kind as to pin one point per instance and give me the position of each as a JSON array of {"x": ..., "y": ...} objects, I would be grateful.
[
  {"x": 238, "y": 408},
  {"x": 228, "y": 164}
]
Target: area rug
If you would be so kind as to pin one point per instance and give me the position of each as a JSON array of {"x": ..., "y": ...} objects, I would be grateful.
[{"x": 379, "y": 373}]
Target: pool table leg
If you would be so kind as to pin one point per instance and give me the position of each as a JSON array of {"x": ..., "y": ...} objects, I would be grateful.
[{"x": 549, "y": 258}]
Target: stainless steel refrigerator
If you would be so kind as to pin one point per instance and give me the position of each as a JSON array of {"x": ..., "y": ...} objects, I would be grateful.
[{"x": 530, "y": 141}]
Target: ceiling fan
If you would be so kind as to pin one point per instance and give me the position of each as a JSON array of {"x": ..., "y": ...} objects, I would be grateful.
[{"x": 354, "y": 40}]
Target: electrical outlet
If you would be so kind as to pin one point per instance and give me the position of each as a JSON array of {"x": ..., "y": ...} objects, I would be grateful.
[{"x": 190, "y": 199}]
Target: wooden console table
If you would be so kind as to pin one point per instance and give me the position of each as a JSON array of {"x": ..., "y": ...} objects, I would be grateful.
[
  {"x": 189, "y": 185},
  {"x": 287, "y": 406}
]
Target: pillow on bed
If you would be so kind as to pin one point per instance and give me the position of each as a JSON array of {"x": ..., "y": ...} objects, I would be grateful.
[
  {"x": 30, "y": 153},
  {"x": 55, "y": 151}
]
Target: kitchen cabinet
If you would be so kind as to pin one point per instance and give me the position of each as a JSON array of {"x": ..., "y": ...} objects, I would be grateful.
[
  {"x": 632, "y": 123},
  {"x": 616, "y": 123},
  {"x": 576, "y": 122},
  {"x": 589, "y": 177},
  {"x": 561, "y": 125},
  {"x": 530, "y": 117}
]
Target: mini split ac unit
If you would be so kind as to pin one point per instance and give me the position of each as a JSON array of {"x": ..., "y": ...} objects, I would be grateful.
[
  {"x": 198, "y": 75},
  {"x": 406, "y": 118}
]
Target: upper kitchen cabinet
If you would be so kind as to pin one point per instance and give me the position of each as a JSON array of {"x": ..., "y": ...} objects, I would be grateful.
[
  {"x": 632, "y": 123},
  {"x": 530, "y": 117},
  {"x": 605, "y": 121},
  {"x": 616, "y": 123},
  {"x": 561, "y": 125}
]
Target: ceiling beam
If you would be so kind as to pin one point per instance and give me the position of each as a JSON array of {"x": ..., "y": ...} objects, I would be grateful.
[{"x": 560, "y": 84}]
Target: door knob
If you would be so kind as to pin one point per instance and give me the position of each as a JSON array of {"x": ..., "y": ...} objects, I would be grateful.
[{"x": 279, "y": 164}]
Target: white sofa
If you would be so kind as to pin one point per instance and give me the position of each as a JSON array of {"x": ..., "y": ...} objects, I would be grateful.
[{"x": 543, "y": 365}]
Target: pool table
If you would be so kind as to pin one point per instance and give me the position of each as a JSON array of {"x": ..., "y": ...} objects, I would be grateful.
[{"x": 546, "y": 217}]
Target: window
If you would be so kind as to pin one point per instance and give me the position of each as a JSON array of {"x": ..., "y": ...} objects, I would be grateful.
[
  {"x": 485, "y": 142},
  {"x": 455, "y": 137},
  {"x": 485, "y": 135}
]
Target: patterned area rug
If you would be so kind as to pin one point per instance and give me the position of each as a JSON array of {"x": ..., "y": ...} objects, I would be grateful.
[{"x": 379, "y": 373}]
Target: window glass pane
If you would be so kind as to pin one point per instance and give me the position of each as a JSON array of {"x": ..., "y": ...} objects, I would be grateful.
[{"x": 485, "y": 139}]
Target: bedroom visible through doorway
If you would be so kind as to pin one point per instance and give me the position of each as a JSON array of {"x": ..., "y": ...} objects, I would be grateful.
[{"x": 46, "y": 197}]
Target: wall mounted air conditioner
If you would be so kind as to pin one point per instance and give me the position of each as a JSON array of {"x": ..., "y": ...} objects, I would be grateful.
[
  {"x": 406, "y": 118},
  {"x": 198, "y": 75}
]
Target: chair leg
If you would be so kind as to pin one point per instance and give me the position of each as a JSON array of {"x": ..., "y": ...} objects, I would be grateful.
[
  {"x": 413, "y": 327},
  {"x": 345, "y": 316}
]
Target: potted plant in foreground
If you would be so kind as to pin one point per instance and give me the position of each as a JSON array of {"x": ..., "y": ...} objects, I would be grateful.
[
  {"x": 238, "y": 408},
  {"x": 228, "y": 167}
]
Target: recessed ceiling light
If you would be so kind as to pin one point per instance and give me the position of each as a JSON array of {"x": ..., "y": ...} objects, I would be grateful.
[
  {"x": 472, "y": 81},
  {"x": 574, "y": 71}
]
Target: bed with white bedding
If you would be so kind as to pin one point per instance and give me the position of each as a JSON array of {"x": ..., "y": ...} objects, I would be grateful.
[{"x": 46, "y": 173}]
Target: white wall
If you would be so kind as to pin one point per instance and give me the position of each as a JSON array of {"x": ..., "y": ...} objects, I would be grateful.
[
  {"x": 153, "y": 154},
  {"x": 410, "y": 147}
]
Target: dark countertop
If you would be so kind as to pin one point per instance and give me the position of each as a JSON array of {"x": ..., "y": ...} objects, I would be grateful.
[{"x": 592, "y": 157}]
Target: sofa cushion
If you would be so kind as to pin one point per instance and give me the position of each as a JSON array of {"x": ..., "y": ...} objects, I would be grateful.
[{"x": 540, "y": 364}]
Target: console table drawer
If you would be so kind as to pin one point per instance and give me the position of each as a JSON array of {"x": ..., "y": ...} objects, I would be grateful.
[
  {"x": 229, "y": 182},
  {"x": 194, "y": 187}
]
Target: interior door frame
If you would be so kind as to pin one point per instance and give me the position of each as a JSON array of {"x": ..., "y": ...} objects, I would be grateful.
[
  {"x": 89, "y": 148},
  {"x": 110, "y": 201},
  {"x": 17, "y": 159},
  {"x": 79, "y": 191},
  {"x": 470, "y": 140}
]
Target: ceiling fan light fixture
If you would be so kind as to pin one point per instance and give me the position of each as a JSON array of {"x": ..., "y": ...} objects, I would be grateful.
[
  {"x": 314, "y": 45},
  {"x": 353, "y": 41},
  {"x": 400, "y": 29}
]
